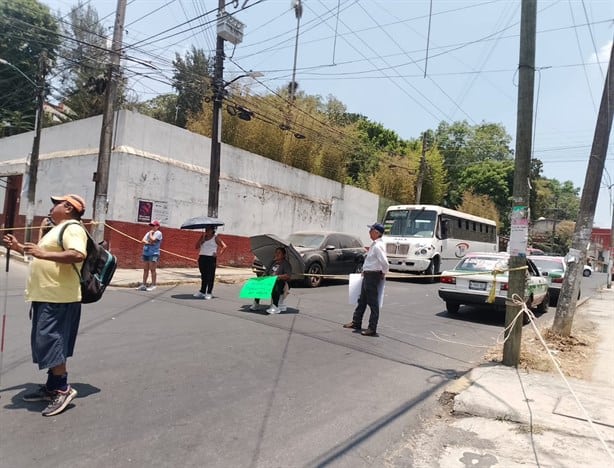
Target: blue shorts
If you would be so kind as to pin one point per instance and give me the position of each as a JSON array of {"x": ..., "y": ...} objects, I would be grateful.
[
  {"x": 54, "y": 332},
  {"x": 151, "y": 258}
]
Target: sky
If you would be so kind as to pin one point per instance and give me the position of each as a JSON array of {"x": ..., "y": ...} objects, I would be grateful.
[{"x": 408, "y": 65}]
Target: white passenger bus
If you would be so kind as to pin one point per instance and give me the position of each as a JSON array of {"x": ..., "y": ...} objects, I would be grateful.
[{"x": 427, "y": 239}]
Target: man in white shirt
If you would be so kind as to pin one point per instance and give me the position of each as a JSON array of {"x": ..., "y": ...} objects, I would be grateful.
[{"x": 374, "y": 271}]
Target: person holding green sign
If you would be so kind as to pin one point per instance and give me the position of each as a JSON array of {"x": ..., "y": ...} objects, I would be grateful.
[{"x": 281, "y": 268}]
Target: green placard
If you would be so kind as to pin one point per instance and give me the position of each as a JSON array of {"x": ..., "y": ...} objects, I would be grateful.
[{"x": 258, "y": 288}]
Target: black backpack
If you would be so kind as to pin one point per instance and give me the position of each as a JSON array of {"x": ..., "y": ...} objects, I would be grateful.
[{"x": 97, "y": 269}]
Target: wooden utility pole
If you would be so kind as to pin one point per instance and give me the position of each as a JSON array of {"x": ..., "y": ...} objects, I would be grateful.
[
  {"x": 520, "y": 209},
  {"x": 216, "y": 126},
  {"x": 590, "y": 193},
  {"x": 421, "y": 170},
  {"x": 101, "y": 176},
  {"x": 38, "y": 125}
]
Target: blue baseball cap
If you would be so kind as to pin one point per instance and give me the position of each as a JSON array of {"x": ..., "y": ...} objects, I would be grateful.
[{"x": 378, "y": 227}]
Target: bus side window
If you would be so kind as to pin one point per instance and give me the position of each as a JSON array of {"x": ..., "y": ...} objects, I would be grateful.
[{"x": 444, "y": 228}]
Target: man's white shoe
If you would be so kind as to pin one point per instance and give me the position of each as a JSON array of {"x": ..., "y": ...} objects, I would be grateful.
[
  {"x": 151, "y": 288},
  {"x": 208, "y": 296},
  {"x": 273, "y": 310},
  {"x": 254, "y": 307},
  {"x": 198, "y": 295},
  {"x": 282, "y": 307},
  {"x": 142, "y": 287}
]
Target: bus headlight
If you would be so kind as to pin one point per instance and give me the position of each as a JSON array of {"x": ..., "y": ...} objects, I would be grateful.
[{"x": 423, "y": 249}]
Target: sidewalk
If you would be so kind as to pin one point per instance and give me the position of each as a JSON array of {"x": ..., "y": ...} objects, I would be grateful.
[
  {"x": 128, "y": 278},
  {"x": 168, "y": 276},
  {"x": 507, "y": 417}
]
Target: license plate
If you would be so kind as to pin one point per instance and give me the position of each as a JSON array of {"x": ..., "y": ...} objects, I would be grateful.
[{"x": 479, "y": 285}]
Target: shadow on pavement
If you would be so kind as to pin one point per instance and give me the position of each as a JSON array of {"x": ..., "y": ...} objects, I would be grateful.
[
  {"x": 263, "y": 308},
  {"x": 83, "y": 391},
  {"x": 478, "y": 315}
]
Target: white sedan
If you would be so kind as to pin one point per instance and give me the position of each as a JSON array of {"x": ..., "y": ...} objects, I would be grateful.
[{"x": 471, "y": 282}]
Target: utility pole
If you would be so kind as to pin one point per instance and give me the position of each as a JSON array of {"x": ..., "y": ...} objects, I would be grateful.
[
  {"x": 38, "y": 125},
  {"x": 231, "y": 30},
  {"x": 101, "y": 176},
  {"x": 421, "y": 170},
  {"x": 520, "y": 209},
  {"x": 216, "y": 125},
  {"x": 590, "y": 193}
]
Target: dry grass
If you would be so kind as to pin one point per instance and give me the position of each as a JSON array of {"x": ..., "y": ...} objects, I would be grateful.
[{"x": 575, "y": 353}]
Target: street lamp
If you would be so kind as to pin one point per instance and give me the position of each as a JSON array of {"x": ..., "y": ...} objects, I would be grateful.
[
  {"x": 38, "y": 123},
  {"x": 216, "y": 137},
  {"x": 4, "y": 62}
]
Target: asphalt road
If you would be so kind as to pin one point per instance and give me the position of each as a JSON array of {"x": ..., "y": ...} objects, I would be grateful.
[{"x": 168, "y": 380}]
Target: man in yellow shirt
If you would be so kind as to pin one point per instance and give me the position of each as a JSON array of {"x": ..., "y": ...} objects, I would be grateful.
[{"x": 54, "y": 289}]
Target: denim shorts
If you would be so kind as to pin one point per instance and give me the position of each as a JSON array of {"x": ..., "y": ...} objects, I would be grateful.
[
  {"x": 54, "y": 332},
  {"x": 151, "y": 258}
]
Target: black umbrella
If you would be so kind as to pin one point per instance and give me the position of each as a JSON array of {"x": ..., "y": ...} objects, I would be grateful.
[
  {"x": 201, "y": 222},
  {"x": 264, "y": 245}
]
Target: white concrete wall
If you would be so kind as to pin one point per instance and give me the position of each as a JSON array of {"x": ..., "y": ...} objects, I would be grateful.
[{"x": 160, "y": 162}]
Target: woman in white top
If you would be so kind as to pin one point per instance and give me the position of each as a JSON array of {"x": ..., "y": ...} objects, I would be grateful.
[{"x": 210, "y": 246}]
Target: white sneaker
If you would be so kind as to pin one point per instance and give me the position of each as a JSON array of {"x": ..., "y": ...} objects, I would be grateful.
[
  {"x": 254, "y": 307},
  {"x": 151, "y": 288},
  {"x": 142, "y": 287},
  {"x": 282, "y": 307},
  {"x": 208, "y": 296},
  {"x": 273, "y": 310},
  {"x": 199, "y": 295}
]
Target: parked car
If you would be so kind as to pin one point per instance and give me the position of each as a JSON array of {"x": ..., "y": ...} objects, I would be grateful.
[
  {"x": 554, "y": 269},
  {"x": 324, "y": 253},
  {"x": 470, "y": 283}
]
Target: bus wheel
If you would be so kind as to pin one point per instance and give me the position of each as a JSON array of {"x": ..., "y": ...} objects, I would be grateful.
[{"x": 431, "y": 271}]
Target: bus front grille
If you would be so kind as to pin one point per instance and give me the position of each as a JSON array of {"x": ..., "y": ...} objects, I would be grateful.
[{"x": 397, "y": 249}]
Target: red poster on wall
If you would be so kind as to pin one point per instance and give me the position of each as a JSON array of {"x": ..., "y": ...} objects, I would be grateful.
[{"x": 145, "y": 211}]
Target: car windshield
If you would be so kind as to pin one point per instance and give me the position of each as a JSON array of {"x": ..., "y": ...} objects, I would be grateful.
[
  {"x": 547, "y": 266},
  {"x": 312, "y": 241},
  {"x": 410, "y": 223},
  {"x": 482, "y": 264}
]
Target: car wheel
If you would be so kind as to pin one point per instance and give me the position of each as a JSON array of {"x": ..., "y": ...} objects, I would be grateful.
[
  {"x": 542, "y": 308},
  {"x": 586, "y": 273},
  {"x": 452, "y": 307},
  {"x": 313, "y": 281}
]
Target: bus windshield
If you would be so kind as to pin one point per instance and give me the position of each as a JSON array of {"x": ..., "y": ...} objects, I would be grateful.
[{"x": 411, "y": 223}]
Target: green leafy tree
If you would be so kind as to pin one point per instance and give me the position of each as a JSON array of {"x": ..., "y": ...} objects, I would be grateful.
[
  {"x": 85, "y": 60},
  {"x": 192, "y": 79},
  {"x": 162, "y": 107},
  {"x": 555, "y": 200},
  {"x": 27, "y": 28},
  {"x": 463, "y": 145},
  {"x": 495, "y": 179}
]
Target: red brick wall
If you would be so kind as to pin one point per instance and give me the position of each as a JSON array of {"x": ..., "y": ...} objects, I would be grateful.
[{"x": 177, "y": 244}]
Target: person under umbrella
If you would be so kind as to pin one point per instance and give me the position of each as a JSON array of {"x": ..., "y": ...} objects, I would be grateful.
[
  {"x": 210, "y": 247},
  {"x": 280, "y": 267}
]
